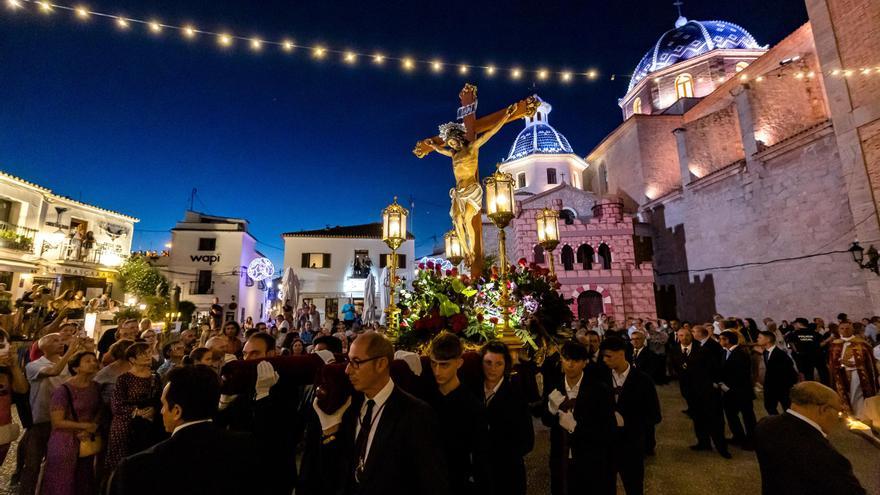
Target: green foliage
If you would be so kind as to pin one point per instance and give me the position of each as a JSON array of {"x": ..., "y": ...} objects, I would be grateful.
[
  {"x": 142, "y": 279},
  {"x": 128, "y": 313}
]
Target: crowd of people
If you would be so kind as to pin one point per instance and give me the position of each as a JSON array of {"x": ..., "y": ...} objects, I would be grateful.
[{"x": 107, "y": 417}]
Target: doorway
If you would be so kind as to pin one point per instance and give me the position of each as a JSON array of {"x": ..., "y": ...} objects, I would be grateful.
[{"x": 589, "y": 304}]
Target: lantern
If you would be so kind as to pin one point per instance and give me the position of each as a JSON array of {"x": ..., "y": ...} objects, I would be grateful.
[
  {"x": 394, "y": 224},
  {"x": 453, "y": 247},
  {"x": 499, "y": 198},
  {"x": 548, "y": 232}
]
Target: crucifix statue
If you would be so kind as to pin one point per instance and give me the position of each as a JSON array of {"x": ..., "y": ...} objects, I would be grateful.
[{"x": 462, "y": 142}]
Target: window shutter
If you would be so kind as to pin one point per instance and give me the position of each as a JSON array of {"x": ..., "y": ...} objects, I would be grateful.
[
  {"x": 401, "y": 261},
  {"x": 383, "y": 260},
  {"x": 305, "y": 260},
  {"x": 326, "y": 262}
]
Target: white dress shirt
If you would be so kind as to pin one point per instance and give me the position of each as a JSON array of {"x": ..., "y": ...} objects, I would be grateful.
[
  {"x": 572, "y": 392},
  {"x": 188, "y": 424},
  {"x": 380, "y": 399},
  {"x": 620, "y": 378}
]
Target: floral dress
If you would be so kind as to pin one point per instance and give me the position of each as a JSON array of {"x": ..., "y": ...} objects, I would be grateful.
[
  {"x": 129, "y": 435},
  {"x": 66, "y": 473}
]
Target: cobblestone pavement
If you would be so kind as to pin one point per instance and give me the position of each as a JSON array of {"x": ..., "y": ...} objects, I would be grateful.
[
  {"x": 675, "y": 469},
  {"x": 680, "y": 471}
]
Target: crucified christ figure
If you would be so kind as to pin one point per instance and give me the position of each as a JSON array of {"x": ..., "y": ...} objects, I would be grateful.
[{"x": 467, "y": 195}]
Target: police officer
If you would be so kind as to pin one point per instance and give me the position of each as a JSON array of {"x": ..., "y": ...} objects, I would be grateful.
[{"x": 805, "y": 341}]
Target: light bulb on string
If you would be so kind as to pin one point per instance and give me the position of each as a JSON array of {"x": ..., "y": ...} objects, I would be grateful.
[
  {"x": 287, "y": 45},
  {"x": 408, "y": 64},
  {"x": 437, "y": 66},
  {"x": 543, "y": 74},
  {"x": 566, "y": 76},
  {"x": 14, "y": 4},
  {"x": 256, "y": 44},
  {"x": 350, "y": 57},
  {"x": 122, "y": 22},
  {"x": 46, "y": 7},
  {"x": 516, "y": 73},
  {"x": 490, "y": 70},
  {"x": 224, "y": 40},
  {"x": 319, "y": 52},
  {"x": 81, "y": 12},
  {"x": 592, "y": 74},
  {"x": 463, "y": 69},
  {"x": 378, "y": 58},
  {"x": 155, "y": 27},
  {"x": 189, "y": 31}
]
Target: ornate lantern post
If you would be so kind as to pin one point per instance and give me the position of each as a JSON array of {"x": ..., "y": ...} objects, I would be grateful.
[
  {"x": 499, "y": 209},
  {"x": 548, "y": 233},
  {"x": 393, "y": 234},
  {"x": 453, "y": 248}
]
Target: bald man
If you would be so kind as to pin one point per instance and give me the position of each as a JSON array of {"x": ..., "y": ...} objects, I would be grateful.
[
  {"x": 793, "y": 449},
  {"x": 381, "y": 441}
]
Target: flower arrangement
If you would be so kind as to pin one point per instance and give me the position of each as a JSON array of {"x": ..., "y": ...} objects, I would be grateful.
[{"x": 442, "y": 299}]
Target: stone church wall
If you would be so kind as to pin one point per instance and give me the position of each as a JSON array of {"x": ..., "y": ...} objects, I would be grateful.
[
  {"x": 798, "y": 207},
  {"x": 714, "y": 141}
]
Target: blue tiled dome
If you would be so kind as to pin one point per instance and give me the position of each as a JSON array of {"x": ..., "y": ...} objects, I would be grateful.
[
  {"x": 539, "y": 136},
  {"x": 690, "y": 39}
]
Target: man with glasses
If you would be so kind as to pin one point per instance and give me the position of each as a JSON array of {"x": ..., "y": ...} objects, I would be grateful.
[
  {"x": 382, "y": 440},
  {"x": 793, "y": 449}
]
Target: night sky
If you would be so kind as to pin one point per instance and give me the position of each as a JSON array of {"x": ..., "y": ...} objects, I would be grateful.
[{"x": 133, "y": 122}]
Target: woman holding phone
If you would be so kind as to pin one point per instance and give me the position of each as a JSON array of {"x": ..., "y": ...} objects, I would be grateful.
[{"x": 12, "y": 380}]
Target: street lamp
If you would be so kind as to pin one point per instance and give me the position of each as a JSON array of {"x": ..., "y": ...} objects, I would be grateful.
[
  {"x": 393, "y": 234},
  {"x": 858, "y": 253},
  {"x": 453, "y": 248},
  {"x": 499, "y": 209},
  {"x": 548, "y": 232}
]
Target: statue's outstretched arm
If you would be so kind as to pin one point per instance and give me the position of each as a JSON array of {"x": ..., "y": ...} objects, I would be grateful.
[
  {"x": 439, "y": 149},
  {"x": 491, "y": 132}
]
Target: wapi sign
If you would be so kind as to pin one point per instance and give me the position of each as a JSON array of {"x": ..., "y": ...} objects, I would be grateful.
[{"x": 205, "y": 258}]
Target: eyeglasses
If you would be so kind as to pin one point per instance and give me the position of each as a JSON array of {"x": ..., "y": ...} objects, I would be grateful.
[{"x": 356, "y": 363}]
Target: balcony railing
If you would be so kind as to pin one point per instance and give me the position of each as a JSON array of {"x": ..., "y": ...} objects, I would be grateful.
[
  {"x": 16, "y": 237},
  {"x": 98, "y": 253},
  {"x": 195, "y": 288}
]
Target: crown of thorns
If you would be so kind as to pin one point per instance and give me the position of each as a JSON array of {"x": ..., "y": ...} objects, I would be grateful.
[{"x": 451, "y": 129}]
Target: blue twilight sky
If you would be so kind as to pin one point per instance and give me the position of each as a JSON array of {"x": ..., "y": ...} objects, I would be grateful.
[{"x": 133, "y": 122}]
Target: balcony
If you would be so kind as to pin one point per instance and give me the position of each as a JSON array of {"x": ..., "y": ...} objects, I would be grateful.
[
  {"x": 195, "y": 288},
  {"x": 16, "y": 237},
  {"x": 74, "y": 250}
]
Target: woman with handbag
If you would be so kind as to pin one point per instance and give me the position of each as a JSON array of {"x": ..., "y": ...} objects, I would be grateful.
[
  {"x": 137, "y": 422},
  {"x": 73, "y": 443}
]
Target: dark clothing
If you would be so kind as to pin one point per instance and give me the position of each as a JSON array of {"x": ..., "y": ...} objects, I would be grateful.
[
  {"x": 511, "y": 437},
  {"x": 736, "y": 375},
  {"x": 262, "y": 419},
  {"x": 779, "y": 377},
  {"x": 650, "y": 364},
  {"x": 464, "y": 441},
  {"x": 638, "y": 404},
  {"x": 579, "y": 461},
  {"x": 681, "y": 366},
  {"x": 708, "y": 415},
  {"x": 405, "y": 457},
  {"x": 807, "y": 352},
  {"x": 795, "y": 459},
  {"x": 192, "y": 462},
  {"x": 108, "y": 338}
]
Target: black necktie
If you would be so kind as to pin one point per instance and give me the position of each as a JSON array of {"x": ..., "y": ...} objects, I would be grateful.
[{"x": 364, "y": 434}]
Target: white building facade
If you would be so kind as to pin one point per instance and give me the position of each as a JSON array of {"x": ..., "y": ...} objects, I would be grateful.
[
  {"x": 333, "y": 264},
  {"x": 51, "y": 240},
  {"x": 208, "y": 258}
]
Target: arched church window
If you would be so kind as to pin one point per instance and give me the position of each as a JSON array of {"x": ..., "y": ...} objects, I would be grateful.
[
  {"x": 684, "y": 86},
  {"x": 637, "y": 105},
  {"x": 585, "y": 255},
  {"x": 551, "y": 176},
  {"x": 539, "y": 254},
  {"x": 521, "y": 180},
  {"x": 605, "y": 256},
  {"x": 741, "y": 66},
  {"x": 567, "y": 258}
]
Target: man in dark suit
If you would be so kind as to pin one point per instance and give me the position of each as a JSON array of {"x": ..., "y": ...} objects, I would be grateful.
[
  {"x": 793, "y": 451},
  {"x": 580, "y": 415},
  {"x": 178, "y": 464},
  {"x": 381, "y": 441},
  {"x": 779, "y": 373},
  {"x": 736, "y": 384},
  {"x": 708, "y": 415},
  {"x": 649, "y": 363},
  {"x": 680, "y": 357},
  {"x": 636, "y": 411}
]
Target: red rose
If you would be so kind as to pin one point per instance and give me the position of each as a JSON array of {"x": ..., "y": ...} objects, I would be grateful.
[
  {"x": 430, "y": 265},
  {"x": 493, "y": 320},
  {"x": 522, "y": 262},
  {"x": 421, "y": 266},
  {"x": 448, "y": 273},
  {"x": 454, "y": 272},
  {"x": 480, "y": 317},
  {"x": 458, "y": 322}
]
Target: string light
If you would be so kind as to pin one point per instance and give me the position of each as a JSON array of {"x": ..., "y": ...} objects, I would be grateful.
[{"x": 350, "y": 57}]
